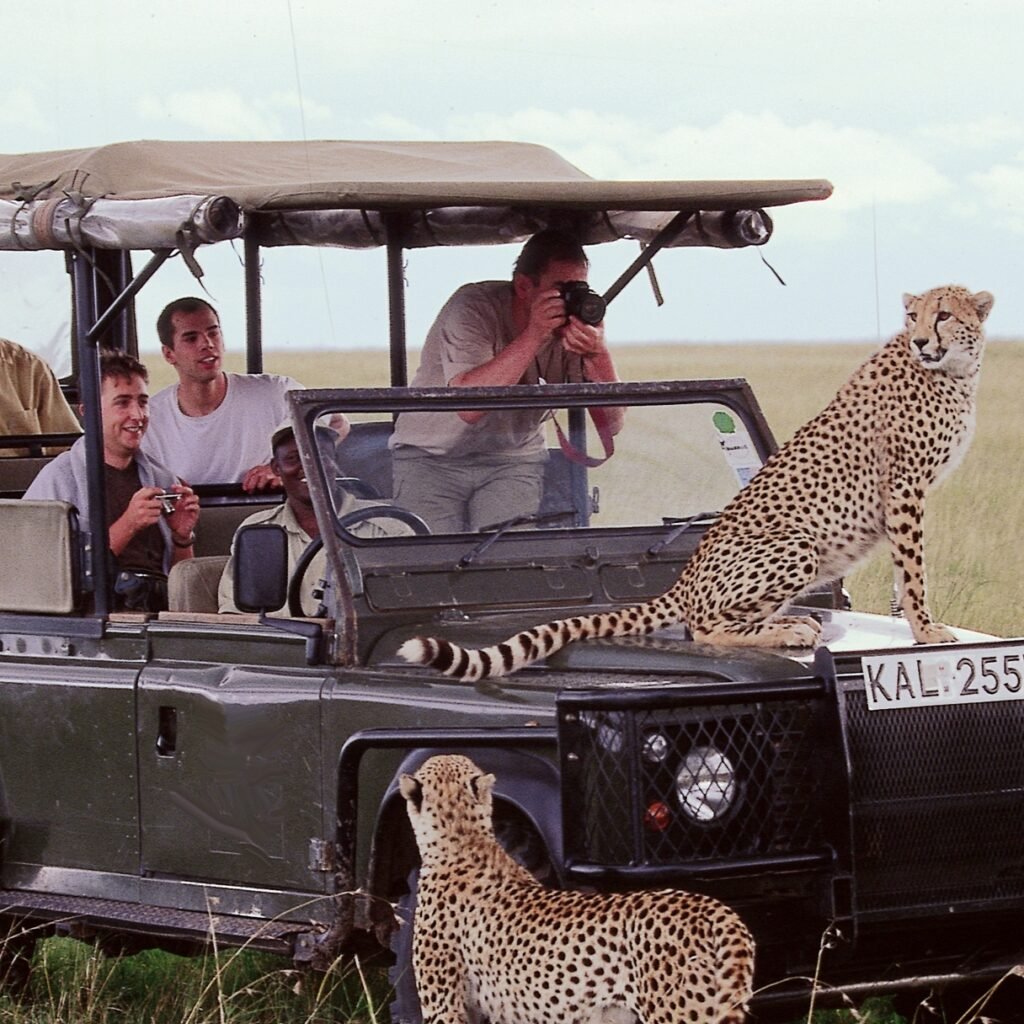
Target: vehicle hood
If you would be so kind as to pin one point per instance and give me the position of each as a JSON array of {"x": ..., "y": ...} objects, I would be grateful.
[{"x": 669, "y": 651}]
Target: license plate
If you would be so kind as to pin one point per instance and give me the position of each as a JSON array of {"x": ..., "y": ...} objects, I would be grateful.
[{"x": 948, "y": 676}]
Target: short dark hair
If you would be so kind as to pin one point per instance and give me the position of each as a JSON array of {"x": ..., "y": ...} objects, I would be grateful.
[
  {"x": 116, "y": 365},
  {"x": 546, "y": 247},
  {"x": 187, "y": 304}
]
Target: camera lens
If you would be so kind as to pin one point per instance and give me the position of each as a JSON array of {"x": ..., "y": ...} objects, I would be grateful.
[{"x": 582, "y": 302}]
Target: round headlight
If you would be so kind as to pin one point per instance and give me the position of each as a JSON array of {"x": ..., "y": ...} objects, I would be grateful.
[
  {"x": 706, "y": 784},
  {"x": 655, "y": 747}
]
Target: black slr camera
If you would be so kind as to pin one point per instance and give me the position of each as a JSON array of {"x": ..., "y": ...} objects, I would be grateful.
[{"x": 582, "y": 302}]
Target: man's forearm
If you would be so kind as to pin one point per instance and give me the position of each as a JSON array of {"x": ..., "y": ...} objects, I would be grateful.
[{"x": 507, "y": 367}]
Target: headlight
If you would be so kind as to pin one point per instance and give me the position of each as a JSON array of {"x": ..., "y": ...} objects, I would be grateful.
[
  {"x": 706, "y": 784},
  {"x": 655, "y": 747},
  {"x": 607, "y": 729}
]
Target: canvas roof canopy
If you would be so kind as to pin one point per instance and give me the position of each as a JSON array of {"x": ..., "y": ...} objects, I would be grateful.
[{"x": 153, "y": 194}]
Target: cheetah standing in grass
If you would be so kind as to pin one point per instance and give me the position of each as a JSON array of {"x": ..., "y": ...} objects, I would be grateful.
[
  {"x": 488, "y": 939},
  {"x": 854, "y": 475}
]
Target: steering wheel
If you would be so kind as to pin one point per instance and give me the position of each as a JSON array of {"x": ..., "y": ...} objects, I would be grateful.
[{"x": 353, "y": 518}]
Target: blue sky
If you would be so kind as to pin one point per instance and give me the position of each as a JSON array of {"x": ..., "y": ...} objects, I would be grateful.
[{"x": 913, "y": 109}]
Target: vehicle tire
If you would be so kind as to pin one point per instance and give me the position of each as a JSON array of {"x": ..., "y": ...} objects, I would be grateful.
[
  {"x": 523, "y": 843},
  {"x": 17, "y": 944}
]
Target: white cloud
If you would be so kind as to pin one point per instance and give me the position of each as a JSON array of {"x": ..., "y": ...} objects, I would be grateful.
[
  {"x": 218, "y": 113},
  {"x": 19, "y": 111},
  {"x": 288, "y": 103},
  {"x": 1001, "y": 189},
  {"x": 389, "y": 126},
  {"x": 984, "y": 133},
  {"x": 868, "y": 168}
]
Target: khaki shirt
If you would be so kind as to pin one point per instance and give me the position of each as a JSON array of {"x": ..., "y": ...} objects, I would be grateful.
[
  {"x": 474, "y": 325},
  {"x": 298, "y": 540},
  {"x": 31, "y": 401}
]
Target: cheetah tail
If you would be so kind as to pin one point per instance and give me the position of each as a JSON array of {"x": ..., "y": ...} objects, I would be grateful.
[{"x": 527, "y": 646}]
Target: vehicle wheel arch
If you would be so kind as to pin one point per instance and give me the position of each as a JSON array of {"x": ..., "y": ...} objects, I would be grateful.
[{"x": 527, "y": 787}]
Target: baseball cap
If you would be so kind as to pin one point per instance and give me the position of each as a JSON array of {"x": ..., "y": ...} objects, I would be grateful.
[{"x": 284, "y": 431}]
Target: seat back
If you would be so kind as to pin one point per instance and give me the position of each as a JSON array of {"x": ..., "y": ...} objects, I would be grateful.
[
  {"x": 365, "y": 454},
  {"x": 17, "y": 473},
  {"x": 192, "y": 584},
  {"x": 40, "y": 540}
]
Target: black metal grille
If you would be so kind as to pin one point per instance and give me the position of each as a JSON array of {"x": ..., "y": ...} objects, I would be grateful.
[
  {"x": 937, "y": 804},
  {"x": 647, "y": 781}
]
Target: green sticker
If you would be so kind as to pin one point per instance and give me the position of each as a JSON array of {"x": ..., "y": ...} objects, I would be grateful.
[{"x": 724, "y": 423}]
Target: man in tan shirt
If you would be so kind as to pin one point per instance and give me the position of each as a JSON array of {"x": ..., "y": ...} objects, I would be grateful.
[{"x": 31, "y": 401}]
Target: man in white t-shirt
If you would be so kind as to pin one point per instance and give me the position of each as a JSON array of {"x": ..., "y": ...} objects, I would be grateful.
[{"x": 212, "y": 426}]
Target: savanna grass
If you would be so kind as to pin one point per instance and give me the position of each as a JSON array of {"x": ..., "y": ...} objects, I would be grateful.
[
  {"x": 73, "y": 983},
  {"x": 974, "y": 521}
]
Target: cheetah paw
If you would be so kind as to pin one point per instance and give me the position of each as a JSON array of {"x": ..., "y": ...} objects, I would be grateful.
[
  {"x": 799, "y": 632},
  {"x": 934, "y": 633}
]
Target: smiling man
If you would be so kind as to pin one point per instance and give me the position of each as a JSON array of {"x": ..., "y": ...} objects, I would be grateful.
[
  {"x": 298, "y": 518},
  {"x": 212, "y": 426},
  {"x": 144, "y": 538}
]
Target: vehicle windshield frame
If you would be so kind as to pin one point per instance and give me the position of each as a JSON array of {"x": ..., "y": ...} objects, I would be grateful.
[{"x": 344, "y": 549}]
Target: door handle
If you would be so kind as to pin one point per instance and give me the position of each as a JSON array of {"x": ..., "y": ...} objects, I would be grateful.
[{"x": 167, "y": 732}]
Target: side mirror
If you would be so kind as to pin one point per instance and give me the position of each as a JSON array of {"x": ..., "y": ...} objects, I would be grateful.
[
  {"x": 261, "y": 568},
  {"x": 261, "y": 581}
]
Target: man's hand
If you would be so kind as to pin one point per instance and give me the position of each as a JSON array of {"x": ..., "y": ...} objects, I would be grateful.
[
  {"x": 260, "y": 478},
  {"x": 547, "y": 314},
  {"x": 144, "y": 509},
  {"x": 185, "y": 516},
  {"x": 583, "y": 340}
]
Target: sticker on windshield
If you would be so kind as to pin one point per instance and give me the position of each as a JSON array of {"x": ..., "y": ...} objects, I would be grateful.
[{"x": 737, "y": 446}]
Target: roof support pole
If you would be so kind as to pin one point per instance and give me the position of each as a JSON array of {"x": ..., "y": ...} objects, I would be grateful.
[
  {"x": 253, "y": 306},
  {"x": 87, "y": 330},
  {"x": 658, "y": 242},
  {"x": 116, "y": 307},
  {"x": 396, "y": 300}
]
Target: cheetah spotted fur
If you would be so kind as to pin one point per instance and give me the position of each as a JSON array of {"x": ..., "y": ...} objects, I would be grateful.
[
  {"x": 488, "y": 939},
  {"x": 853, "y": 476}
]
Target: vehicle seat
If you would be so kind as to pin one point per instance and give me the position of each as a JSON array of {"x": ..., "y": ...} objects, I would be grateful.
[
  {"x": 40, "y": 556},
  {"x": 365, "y": 454},
  {"x": 17, "y": 473},
  {"x": 192, "y": 584}
]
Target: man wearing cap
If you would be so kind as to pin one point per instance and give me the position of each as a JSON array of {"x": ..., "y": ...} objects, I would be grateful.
[{"x": 297, "y": 517}]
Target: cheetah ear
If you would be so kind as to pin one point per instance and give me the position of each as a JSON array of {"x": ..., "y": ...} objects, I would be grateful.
[
  {"x": 412, "y": 791},
  {"x": 909, "y": 300},
  {"x": 481, "y": 785},
  {"x": 983, "y": 303}
]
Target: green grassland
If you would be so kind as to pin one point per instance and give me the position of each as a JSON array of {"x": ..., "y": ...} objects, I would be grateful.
[{"x": 974, "y": 521}]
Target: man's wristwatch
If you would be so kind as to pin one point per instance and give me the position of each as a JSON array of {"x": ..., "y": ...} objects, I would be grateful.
[{"x": 187, "y": 543}]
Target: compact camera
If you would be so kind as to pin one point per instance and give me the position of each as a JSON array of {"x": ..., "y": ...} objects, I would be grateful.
[
  {"x": 582, "y": 302},
  {"x": 168, "y": 501}
]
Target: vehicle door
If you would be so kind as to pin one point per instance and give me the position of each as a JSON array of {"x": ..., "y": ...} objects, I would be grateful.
[{"x": 230, "y": 766}]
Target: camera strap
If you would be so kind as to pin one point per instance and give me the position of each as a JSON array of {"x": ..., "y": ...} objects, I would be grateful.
[{"x": 599, "y": 417}]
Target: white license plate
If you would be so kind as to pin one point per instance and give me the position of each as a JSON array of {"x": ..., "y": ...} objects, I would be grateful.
[{"x": 949, "y": 676}]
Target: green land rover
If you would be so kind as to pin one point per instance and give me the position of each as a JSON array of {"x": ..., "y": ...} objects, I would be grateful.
[{"x": 171, "y": 777}]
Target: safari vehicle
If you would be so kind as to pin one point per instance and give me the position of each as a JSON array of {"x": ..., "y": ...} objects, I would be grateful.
[{"x": 168, "y": 778}]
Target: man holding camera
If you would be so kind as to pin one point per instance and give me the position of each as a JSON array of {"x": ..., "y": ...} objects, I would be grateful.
[
  {"x": 466, "y": 470},
  {"x": 151, "y": 516}
]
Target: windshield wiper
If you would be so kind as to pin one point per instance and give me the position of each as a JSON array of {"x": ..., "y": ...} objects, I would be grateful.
[
  {"x": 679, "y": 527},
  {"x": 500, "y": 529}
]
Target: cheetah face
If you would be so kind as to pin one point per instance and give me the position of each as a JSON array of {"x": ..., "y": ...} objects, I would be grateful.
[
  {"x": 944, "y": 327},
  {"x": 448, "y": 795}
]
